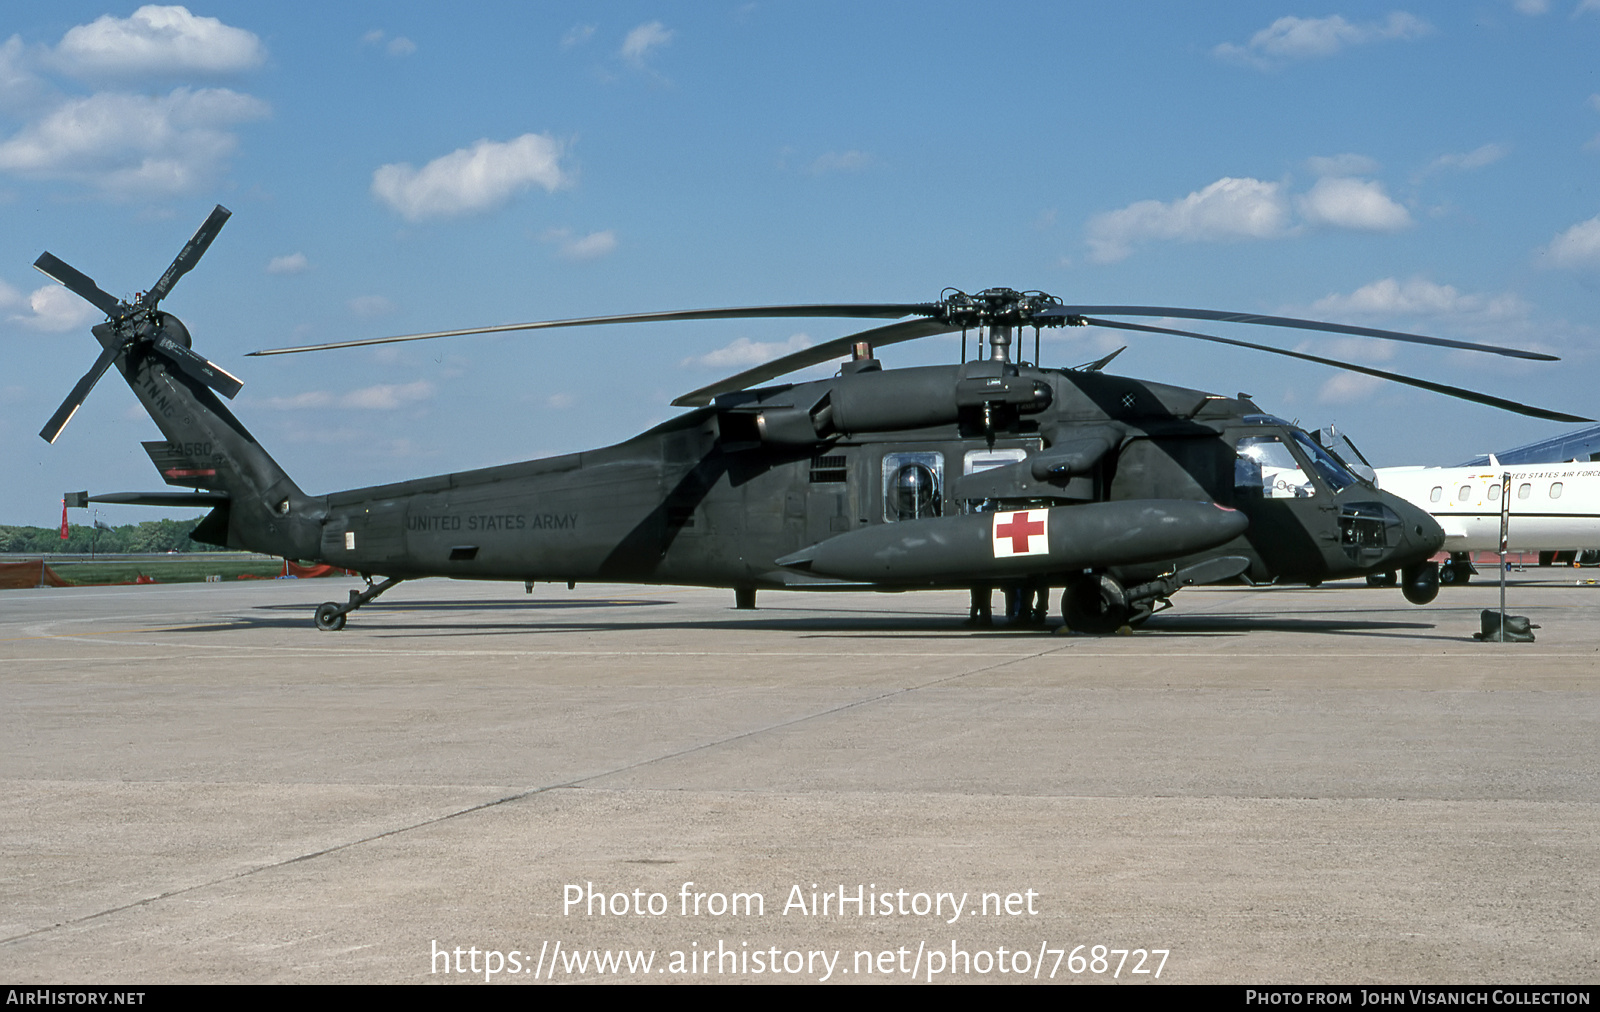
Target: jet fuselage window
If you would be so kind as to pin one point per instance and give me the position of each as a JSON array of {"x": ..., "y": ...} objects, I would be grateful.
[
  {"x": 1464, "y": 493},
  {"x": 1555, "y": 490},
  {"x": 1524, "y": 490},
  {"x": 1436, "y": 494}
]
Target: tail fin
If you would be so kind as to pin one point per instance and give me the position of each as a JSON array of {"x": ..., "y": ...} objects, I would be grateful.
[{"x": 208, "y": 448}]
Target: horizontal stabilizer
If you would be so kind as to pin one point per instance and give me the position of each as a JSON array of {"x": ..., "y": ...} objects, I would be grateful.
[
  {"x": 181, "y": 500},
  {"x": 191, "y": 465}
]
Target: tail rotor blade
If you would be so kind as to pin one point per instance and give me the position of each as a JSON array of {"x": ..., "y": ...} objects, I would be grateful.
[
  {"x": 188, "y": 256},
  {"x": 79, "y": 283},
  {"x": 74, "y": 401},
  {"x": 197, "y": 366}
]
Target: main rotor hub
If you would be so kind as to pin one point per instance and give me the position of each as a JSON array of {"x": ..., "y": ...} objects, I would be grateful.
[{"x": 1000, "y": 310}]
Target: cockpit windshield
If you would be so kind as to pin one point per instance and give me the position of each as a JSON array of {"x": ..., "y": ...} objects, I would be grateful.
[{"x": 1327, "y": 466}]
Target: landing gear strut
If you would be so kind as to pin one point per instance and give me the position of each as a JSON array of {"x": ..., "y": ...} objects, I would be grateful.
[
  {"x": 1095, "y": 605},
  {"x": 1098, "y": 604},
  {"x": 330, "y": 616}
]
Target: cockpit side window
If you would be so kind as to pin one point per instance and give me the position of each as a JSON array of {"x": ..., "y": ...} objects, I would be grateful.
[{"x": 1264, "y": 466}]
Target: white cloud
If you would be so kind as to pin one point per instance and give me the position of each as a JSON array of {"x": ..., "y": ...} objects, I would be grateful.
[
  {"x": 21, "y": 90},
  {"x": 160, "y": 41},
  {"x": 384, "y": 397},
  {"x": 292, "y": 263},
  {"x": 1292, "y": 38},
  {"x": 743, "y": 353},
  {"x": 1586, "y": 5},
  {"x": 1474, "y": 159},
  {"x": 642, "y": 40},
  {"x": 1348, "y": 387},
  {"x": 126, "y": 144},
  {"x": 471, "y": 180},
  {"x": 387, "y": 396},
  {"x": 370, "y": 305},
  {"x": 1227, "y": 209},
  {"x": 397, "y": 46},
  {"x": 588, "y": 247},
  {"x": 1342, "y": 165},
  {"x": 1577, "y": 247},
  {"x": 1352, "y": 203},
  {"x": 51, "y": 308},
  {"x": 1419, "y": 298},
  {"x": 577, "y": 35},
  {"x": 1531, "y": 7}
]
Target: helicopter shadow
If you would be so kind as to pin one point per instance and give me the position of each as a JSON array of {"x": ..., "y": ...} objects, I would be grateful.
[
  {"x": 544, "y": 617},
  {"x": 1238, "y": 625}
]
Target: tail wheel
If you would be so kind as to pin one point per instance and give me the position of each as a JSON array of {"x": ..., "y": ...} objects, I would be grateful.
[
  {"x": 1095, "y": 605},
  {"x": 330, "y": 618}
]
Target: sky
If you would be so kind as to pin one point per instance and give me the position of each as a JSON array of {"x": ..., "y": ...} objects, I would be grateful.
[{"x": 403, "y": 167}]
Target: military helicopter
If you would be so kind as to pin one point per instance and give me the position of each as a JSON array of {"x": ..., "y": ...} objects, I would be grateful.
[{"x": 987, "y": 473}]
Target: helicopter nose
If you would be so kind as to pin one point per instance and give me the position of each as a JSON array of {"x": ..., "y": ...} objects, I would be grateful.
[{"x": 1421, "y": 535}]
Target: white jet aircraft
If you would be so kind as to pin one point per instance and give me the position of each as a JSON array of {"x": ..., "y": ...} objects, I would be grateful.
[{"x": 1554, "y": 507}]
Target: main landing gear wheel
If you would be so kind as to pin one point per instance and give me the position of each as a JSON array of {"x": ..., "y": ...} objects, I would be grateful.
[
  {"x": 1382, "y": 579},
  {"x": 1457, "y": 570},
  {"x": 1095, "y": 605},
  {"x": 330, "y": 618}
]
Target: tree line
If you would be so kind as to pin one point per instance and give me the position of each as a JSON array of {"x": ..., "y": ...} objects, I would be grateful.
[{"x": 149, "y": 536}]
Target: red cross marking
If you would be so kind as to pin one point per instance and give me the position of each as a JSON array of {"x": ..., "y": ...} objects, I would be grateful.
[{"x": 1019, "y": 531}]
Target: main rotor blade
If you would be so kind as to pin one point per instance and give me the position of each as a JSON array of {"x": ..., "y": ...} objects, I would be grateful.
[
  {"x": 1286, "y": 321},
  {"x": 196, "y": 365},
  {"x": 1438, "y": 388},
  {"x": 74, "y": 401},
  {"x": 886, "y": 311},
  {"x": 187, "y": 257},
  {"x": 894, "y": 333},
  {"x": 79, "y": 283}
]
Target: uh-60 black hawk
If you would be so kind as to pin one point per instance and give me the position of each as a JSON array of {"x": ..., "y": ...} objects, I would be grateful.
[{"x": 988, "y": 473}]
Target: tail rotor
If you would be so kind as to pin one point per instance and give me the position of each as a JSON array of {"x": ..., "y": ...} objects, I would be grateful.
[{"x": 139, "y": 325}]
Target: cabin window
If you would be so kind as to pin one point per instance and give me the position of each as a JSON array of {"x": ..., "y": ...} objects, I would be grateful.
[
  {"x": 1524, "y": 490},
  {"x": 1265, "y": 467},
  {"x": 1436, "y": 494},
  {"x": 913, "y": 485},
  {"x": 1555, "y": 490},
  {"x": 976, "y": 461},
  {"x": 1464, "y": 493},
  {"x": 1494, "y": 492}
]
